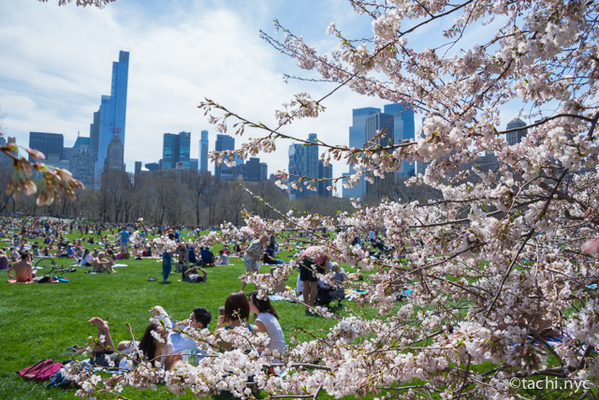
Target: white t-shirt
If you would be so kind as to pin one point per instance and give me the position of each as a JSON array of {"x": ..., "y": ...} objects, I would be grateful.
[{"x": 274, "y": 331}]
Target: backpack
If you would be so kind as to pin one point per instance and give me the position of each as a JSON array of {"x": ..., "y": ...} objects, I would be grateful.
[{"x": 41, "y": 371}]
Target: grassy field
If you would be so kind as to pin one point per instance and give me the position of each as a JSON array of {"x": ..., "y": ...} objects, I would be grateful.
[{"x": 39, "y": 321}]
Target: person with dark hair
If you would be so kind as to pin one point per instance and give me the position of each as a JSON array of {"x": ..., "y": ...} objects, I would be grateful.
[
  {"x": 191, "y": 274},
  {"x": 154, "y": 346},
  {"x": 267, "y": 321},
  {"x": 179, "y": 336},
  {"x": 23, "y": 269},
  {"x": 86, "y": 260},
  {"x": 235, "y": 313}
]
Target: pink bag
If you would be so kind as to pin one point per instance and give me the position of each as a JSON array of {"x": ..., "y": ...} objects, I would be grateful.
[{"x": 41, "y": 371}]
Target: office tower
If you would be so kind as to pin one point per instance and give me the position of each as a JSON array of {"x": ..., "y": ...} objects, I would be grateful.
[
  {"x": 47, "y": 143},
  {"x": 109, "y": 120},
  {"x": 83, "y": 156},
  {"x": 403, "y": 129},
  {"x": 304, "y": 161},
  {"x": 137, "y": 167},
  {"x": 175, "y": 149},
  {"x": 204, "y": 151},
  {"x": 357, "y": 138},
  {"x": 153, "y": 167},
  {"x": 324, "y": 172},
  {"x": 254, "y": 170},
  {"x": 224, "y": 142},
  {"x": 516, "y": 136},
  {"x": 375, "y": 123},
  {"x": 193, "y": 164},
  {"x": 380, "y": 124},
  {"x": 114, "y": 158}
]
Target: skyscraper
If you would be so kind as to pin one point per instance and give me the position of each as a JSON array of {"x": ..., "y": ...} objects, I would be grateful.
[
  {"x": 109, "y": 120},
  {"x": 204, "y": 151},
  {"x": 357, "y": 138},
  {"x": 82, "y": 160},
  {"x": 47, "y": 143},
  {"x": 114, "y": 158},
  {"x": 403, "y": 129},
  {"x": 304, "y": 161},
  {"x": 224, "y": 142},
  {"x": 516, "y": 136},
  {"x": 375, "y": 124},
  {"x": 175, "y": 149}
]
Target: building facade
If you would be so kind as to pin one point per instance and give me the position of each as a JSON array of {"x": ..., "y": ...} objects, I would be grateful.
[
  {"x": 114, "y": 159},
  {"x": 516, "y": 136},
  {"x": 83, "y": 157},
  {"x": 304, "y": 162},
  {"x": 175, "y": 149},
  {"x": 47, "y": 143},
  {"x": 223, "y": 171},
  {"x": 403, "y": 130},
  {"x": 203, "y": 160},
  {"x": 357, "y": 139}
]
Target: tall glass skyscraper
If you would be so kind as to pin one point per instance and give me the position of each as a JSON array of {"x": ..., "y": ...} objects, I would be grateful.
[
  {"x": 403, "y": 127},
  {"x": 204, "y": 151},
  {"x": 357, "y": 138},
  {"x": 109, "y": 120},
  {"x": 305, "y": 161},
  {"x": 224, "y": 142},
  {"x": 175, "y": 149}
]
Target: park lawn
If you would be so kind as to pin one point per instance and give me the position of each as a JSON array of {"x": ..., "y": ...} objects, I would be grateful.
[{"x": 40, "y": 321}]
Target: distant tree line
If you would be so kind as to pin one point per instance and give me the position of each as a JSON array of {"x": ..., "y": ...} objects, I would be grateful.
[{"x": 170, "y": 197}]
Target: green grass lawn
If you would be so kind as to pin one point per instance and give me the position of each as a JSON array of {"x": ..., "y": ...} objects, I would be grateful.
[{"x": 39, "y": 321}]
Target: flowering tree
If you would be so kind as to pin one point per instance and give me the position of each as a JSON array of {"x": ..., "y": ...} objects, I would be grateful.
[{"x": 497, "y": 265}]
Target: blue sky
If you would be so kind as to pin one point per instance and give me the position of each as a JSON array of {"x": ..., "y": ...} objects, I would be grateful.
[{"x": 57, "y": 63}]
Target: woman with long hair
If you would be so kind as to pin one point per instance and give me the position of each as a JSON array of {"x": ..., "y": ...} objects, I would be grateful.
[{"x": 267, "y": 321}]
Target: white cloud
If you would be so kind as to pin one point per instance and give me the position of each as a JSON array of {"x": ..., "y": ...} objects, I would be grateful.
[{"x": 58, "y": 63}]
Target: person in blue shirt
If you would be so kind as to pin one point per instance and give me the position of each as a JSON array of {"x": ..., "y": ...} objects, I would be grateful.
[{"x": 124, "y": 241}]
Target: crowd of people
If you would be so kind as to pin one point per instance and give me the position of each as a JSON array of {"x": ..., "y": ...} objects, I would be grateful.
[{"x": 166, "y": 342}]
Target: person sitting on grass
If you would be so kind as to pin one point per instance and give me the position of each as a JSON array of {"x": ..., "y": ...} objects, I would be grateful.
[
  {"x": 223, "y": 258},
  {"x": 86, "y": 260},
  {"x": 191, "y": 274},
  {"x": 236, "y": 312},
  {"x": 23, "y": 269},
  {"x": 178, "y": 331},
  {"x": 101, "y": 264},
  {"x": 112, "y": 258},
  {"x": 154, "y": 346},
  {"x": 267, "y": 321}
]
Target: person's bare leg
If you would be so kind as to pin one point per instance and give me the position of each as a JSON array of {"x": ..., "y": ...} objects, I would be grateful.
[
  {"x": 103, "y": 329},
  {"x": 306, "y": 293},
  {"x": 313, "y": 287}
]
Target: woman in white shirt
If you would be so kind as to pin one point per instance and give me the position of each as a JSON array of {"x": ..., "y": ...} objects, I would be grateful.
[{"x": 267, "y": 321}]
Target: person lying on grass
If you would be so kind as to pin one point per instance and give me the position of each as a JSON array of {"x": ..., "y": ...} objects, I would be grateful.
[
  {"x": 191, "y": 274},
  {"x": 154, "y": 347},
  {"x": 23, "y": 269}
]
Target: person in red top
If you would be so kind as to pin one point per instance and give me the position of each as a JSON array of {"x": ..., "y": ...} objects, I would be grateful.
[{"x": 312, "y": 261}]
